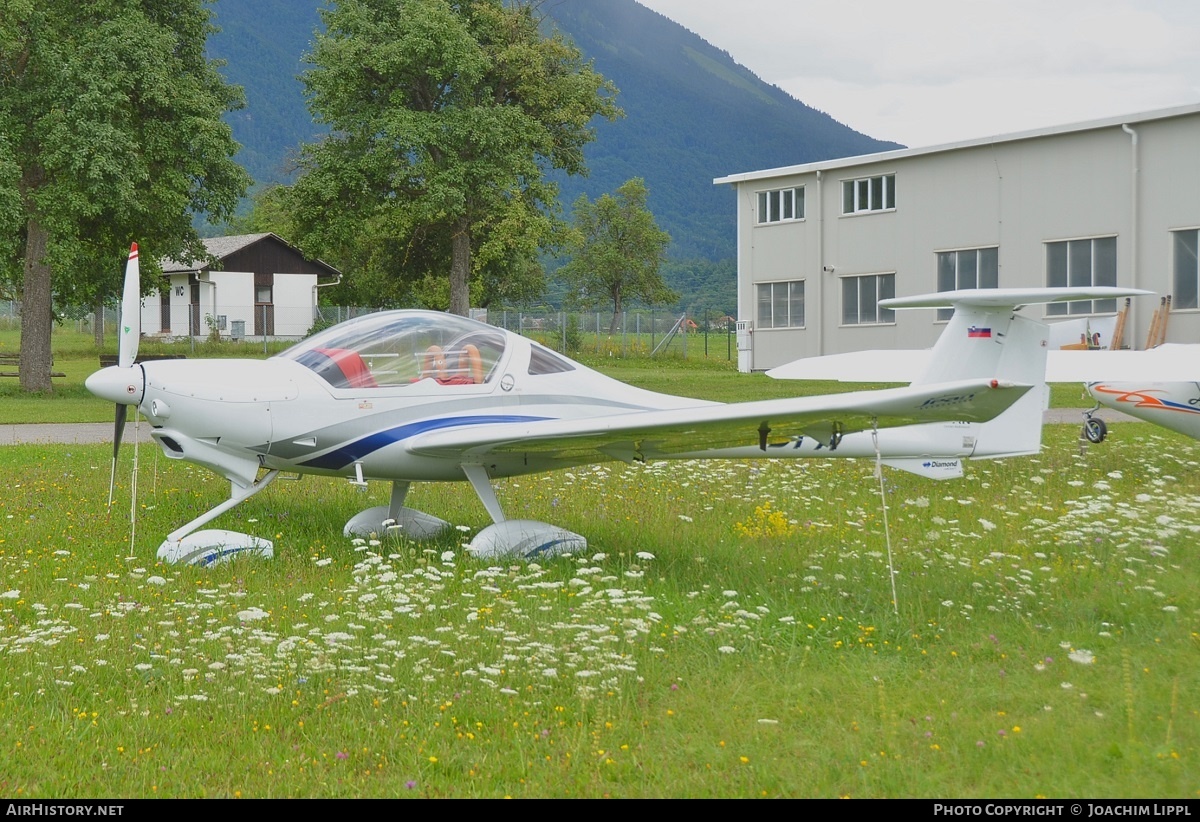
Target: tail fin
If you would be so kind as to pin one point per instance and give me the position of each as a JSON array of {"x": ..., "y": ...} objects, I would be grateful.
[
  {"x": 986, "y": 338},
  {"x": 996, "y": 340}
]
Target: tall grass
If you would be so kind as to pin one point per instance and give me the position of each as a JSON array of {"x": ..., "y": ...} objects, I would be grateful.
[{"x": 731, "y": 632}]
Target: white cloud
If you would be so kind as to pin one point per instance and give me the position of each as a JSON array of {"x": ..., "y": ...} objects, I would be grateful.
[{"x": 934, "y": 71}]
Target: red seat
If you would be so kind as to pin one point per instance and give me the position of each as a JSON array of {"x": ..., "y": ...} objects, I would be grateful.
[{"x": 352, "y": 367}]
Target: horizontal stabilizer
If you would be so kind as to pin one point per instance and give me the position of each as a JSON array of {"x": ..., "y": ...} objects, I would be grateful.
[
  {"x": 973, "y": 341},
  {"x": 1011, "y": 298}
]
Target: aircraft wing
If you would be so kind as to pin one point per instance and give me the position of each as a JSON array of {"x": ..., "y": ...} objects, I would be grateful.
[
  {"x": 1166, "y": 363},
  {"x": 660, "y": 434},
  {"x": 897, "y": 365}
]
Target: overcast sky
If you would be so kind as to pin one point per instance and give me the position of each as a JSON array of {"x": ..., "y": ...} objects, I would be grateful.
[{"x": 925, "y": 72}]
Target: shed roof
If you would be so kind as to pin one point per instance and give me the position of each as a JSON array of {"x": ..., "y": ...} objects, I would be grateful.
[{"x": 220, "y": 248}]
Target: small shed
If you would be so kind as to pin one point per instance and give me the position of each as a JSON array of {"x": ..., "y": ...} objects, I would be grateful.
[{"x": 259, "y": 285}]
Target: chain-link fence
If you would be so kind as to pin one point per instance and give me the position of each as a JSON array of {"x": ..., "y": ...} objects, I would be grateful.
[
  {"x": 642, "y": 332},
  {"x": 10, "y": 315},
  {"x": 633, "y": 333}
]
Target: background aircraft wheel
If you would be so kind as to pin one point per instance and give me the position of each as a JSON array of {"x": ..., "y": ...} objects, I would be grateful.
[{"x": 1095, "y": 430}]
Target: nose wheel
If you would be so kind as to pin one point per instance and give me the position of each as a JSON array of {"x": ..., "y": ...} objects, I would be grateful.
[{"x": 1094, "y": 428}]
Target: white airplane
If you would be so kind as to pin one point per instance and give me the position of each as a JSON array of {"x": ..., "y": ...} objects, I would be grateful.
[
  {"x": 1171, "y": 404},
  {"x": 422, "y": 396}
]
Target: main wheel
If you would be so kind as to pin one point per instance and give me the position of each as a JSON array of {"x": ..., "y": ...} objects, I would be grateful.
[{"x": 1095, "y": 430}]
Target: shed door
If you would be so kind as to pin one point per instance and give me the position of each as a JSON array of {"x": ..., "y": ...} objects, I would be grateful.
[{"x": 264, "y": 311}]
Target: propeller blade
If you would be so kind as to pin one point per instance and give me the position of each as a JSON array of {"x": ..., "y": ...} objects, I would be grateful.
[
  {"x": 122, "y": 414},
  {"x": 119, "y": 431},
  {"x": 131, "y": 311}
]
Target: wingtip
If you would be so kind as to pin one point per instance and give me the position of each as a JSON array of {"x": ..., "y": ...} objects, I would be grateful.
[{"x": 133, "y": 251}]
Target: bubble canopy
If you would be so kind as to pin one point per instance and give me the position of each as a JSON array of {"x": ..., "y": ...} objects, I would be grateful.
[{"x": 400, "y": 348}]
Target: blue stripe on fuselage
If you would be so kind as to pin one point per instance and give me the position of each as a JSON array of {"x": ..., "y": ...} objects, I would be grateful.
[{"x": 354, "y": 451}]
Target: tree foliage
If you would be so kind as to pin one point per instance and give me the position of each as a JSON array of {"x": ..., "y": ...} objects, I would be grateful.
[
  {"x": 445, "y": 118},
  {"x": 618, "y": 251},
  {"x": 110, "y": 132}
]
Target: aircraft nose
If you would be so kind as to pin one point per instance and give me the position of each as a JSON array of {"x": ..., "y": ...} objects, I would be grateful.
[{"x": 123, "y": 386}]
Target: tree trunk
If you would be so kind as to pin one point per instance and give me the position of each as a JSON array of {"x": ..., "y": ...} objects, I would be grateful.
[
  {"x": 460, "y": 268},
  {"x": 37, "y": 312},
  {"x": 612, "y": 327},
  {"x": 98, "y": 325}
]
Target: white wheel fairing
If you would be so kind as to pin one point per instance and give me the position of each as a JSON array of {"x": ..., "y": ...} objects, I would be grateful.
[
  {"x": 409, "y": 522},
  {"x": 525, "y": 539},
  {"x": 214, "y": 546}
]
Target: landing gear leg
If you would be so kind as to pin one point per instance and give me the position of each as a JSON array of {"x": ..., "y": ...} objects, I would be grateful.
[
  {"x": 515, "y": 538},
  {"x": 213, "y": 546}
]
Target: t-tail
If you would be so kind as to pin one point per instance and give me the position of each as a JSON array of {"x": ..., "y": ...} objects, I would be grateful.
[{"x": 987, "y": 337}]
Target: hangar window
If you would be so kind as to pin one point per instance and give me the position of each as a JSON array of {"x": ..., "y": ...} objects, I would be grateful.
[
  {"x": 969, "y": 268},
  {"x": 861, "y": 296},
  {"x": 1186, "y": 282},
  {"x": 781, "y": 205},
  {"x": 1087, "y": 262},
  {"x": 869, "y": 194},
  {"x": 781, "y": 305}
]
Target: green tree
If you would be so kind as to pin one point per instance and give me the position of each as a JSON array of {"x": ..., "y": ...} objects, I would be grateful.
[
  {"x": 110, "y": 132},
  {"x": 445, "y": 118},
  {"x": 617, "y": 251},
  {"x": 269, "y": 212}
]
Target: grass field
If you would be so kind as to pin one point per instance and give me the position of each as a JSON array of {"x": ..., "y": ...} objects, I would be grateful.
[{"x": 731, "y": 631}]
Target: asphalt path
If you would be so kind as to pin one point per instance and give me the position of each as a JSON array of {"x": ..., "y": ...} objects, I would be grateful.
[
  {"x": 70, "y": 433},
  {"x": 100, "y": 432}
]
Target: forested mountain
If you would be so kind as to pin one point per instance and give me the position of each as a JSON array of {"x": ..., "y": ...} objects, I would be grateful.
[{"x": 691, "y": 112}]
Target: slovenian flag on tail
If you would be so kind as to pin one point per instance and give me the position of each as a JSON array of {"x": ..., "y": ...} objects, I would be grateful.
[{"x": 975, "y": 332}]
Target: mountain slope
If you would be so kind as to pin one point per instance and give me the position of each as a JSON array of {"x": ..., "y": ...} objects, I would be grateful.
[{"x": 692, "y": 112}]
